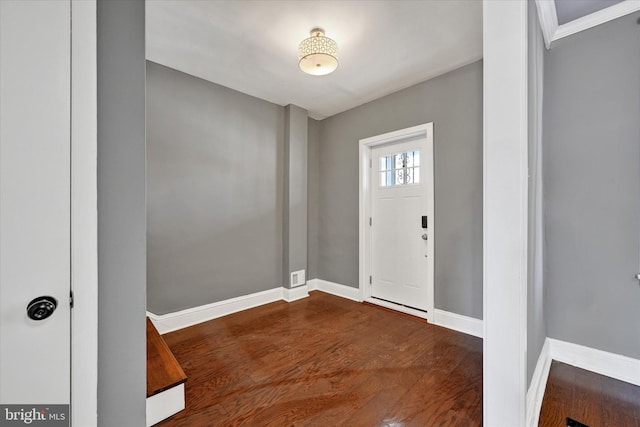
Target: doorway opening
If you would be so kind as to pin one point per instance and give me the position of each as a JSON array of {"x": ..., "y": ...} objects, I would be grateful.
[{"x": 396, "y": 220}]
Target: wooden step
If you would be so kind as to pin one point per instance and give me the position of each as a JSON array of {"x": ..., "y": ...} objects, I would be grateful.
[{"x": 163, "y": 370}]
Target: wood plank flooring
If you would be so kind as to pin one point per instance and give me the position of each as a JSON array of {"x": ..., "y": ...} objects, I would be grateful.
[
  {"x": 327, "y": 361},
  {"x": 592, "y": 399}
]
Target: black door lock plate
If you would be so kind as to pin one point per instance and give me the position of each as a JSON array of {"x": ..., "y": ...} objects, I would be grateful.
[{"x": 42, "y": 307}]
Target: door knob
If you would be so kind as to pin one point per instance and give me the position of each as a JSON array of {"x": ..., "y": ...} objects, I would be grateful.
[
  {"x": 41, "y": 308},
  {"x": 425, "y": 237}
]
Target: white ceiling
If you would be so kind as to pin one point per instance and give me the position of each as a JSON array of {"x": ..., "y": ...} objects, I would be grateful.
[{"x": 251, "y": 46}]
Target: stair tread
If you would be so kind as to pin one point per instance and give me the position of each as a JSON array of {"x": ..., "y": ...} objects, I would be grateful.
[{"x": 163, "y": 370}]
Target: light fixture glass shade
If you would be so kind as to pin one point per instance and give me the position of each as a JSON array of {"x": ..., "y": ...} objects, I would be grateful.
[{"x": 318, "y": 54}]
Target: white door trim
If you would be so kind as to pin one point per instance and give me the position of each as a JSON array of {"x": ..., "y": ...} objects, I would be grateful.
[
  {"x": 84, "y": 222},
  {"x": 364, "y": 195}
]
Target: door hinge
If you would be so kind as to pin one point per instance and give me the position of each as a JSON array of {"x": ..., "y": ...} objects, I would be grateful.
[
  {"x": 370, "y": 280},
  {"x": 71, "y": 299},
  {"x": 370, "y": 221}
]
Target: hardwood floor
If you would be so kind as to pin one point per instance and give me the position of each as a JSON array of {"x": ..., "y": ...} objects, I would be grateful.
[
  {"x": 592, "y": 399},
  {"x": 163, "y": 370},
  {"x": 327, "y": 361}
]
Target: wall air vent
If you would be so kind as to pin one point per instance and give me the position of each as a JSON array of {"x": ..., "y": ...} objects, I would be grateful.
[{"x": 297, "y": 278}]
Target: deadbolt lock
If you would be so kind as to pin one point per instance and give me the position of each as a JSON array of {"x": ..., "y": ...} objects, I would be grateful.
[{"x": 42, "y": 307}]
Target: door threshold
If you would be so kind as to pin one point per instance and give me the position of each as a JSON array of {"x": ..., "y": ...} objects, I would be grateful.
[{"x": 398, "y": 307}]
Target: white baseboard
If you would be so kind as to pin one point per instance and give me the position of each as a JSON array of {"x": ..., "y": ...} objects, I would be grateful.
[
  {"x": 467, "y": 325},
  {"x": 296, "y": 293},
  {"x": 192, "y": 316},
  {"x": 458, "y": 322},
  {"x": 312, "y": 284},
  {"x": 335, "y": 289},
  {"x": 162, "y": 405},
  {"x": 601, "y": 362},
  {"x": 181, "y": 319},
  {"x": 612, "y": 365},
  {"x": 535, "y": 394}
]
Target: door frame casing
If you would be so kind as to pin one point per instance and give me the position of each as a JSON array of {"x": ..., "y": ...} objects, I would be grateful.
[
  {"x": 84, "y": 210},
  {"x": 365, "y": 210}
]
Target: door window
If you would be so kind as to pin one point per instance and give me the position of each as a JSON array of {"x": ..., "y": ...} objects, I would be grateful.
[{"x": 400, "y": 169}]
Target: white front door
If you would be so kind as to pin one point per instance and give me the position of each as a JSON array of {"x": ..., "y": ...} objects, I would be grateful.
[
  {"x": 35, "y": 99},
  {"x": 401, "y": 225}
]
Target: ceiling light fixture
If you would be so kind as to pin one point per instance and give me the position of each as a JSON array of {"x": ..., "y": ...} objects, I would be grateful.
[{"x": 318, "y": 54}]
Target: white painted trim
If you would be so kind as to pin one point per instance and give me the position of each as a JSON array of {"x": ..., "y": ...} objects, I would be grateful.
[
  {"x": 84, "y": 221},
  {"x": 601, "y": 362},
  {"x": 163, "y": 405},
  {"x": 548, "y": 19},
  {"x": 364, "y": 212},
  {"x": 397, "y": 307},
  {"x": 505, "y": 213},
  {"x": 192, "y": 316},
  {"x": 552, "y": 31},
  {"x": 296, "y": 293},
  {"x": 312, "y": 284},
  {"x": 181, "y": 319},
  {"x": 594, "y": 19},
  {"x": 612, "y": 365},
  {"x": 538, "y": 385},
  {"x": 397, "y": 135},
  {"x": 458, "y": 322},
  {"x": 364, "y": 198},
  {"x": 336, "y": 289}
]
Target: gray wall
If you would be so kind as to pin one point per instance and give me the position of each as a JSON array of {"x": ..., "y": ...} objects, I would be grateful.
[
  {"x": 294, "y": 257},
  {"x": 591, "y": 156},
  {"x": 313, "y": 178},
  {"x": 454, "y": 103},
  {"x": 121, "y": 214},
  {"x": 209, "y": 242},
  {"x": 536, "y": 326},
  {"x": 214, "y": 190}
]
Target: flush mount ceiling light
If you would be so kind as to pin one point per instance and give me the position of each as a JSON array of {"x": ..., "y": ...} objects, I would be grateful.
[{"x": 318, "y": 54}]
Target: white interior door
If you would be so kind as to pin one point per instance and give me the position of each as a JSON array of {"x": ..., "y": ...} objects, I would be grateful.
[
  {"x": 34, "y": 202},
  {"x": 401, "y": 185}
]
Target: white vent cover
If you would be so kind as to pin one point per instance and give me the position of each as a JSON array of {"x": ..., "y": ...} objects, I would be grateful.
[{"x": 297, "y": 278}]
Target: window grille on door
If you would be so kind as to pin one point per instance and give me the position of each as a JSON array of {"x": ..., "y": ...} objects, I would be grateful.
[{"x": 400, "y": 169}]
